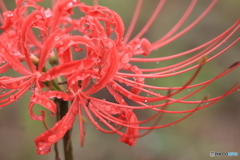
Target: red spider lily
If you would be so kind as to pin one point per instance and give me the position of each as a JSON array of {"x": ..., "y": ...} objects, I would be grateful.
[
  {"x": 107, "y": 64},
  {"x": 17, "y": 40}
]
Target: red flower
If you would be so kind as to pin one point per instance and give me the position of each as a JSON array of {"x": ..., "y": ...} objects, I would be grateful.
[
  {"x": 18, "y": 46},
  {"x": 109, "y": 63}
]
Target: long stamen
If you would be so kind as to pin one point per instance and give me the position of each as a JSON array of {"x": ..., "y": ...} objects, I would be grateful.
[
  {"x": 157, "y": 44},
  {"x": 133, "y": 21},
  {"x": 151, "y": 20}
]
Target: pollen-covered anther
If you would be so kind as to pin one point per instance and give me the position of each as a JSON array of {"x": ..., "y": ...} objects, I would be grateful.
[{"x": 203, "y": 60}]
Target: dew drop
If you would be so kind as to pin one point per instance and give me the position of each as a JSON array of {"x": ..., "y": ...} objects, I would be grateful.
[
  {"x": 65, "y": 127},
  {"x": 42, "y": 145},
  {"x": 114, "y": 86},
  {"x": 13, "y": 98},
  {"x": 38, "y": 16},
  {"x": 9, "y": 14},
  {"x": 52, "y": 138},
  {"x": 110, "y": 44},
  {"x": 125, "y": 58},
  {"x": 70, "y": 4},
  {"x": 56, "y": 38},
  {"x": 48, "y": 13},
  {"x": 130, "y": 96},
  {"x": 157, "y": 62},
  {"x": 189, "y": 89},
  {"x": 48, "y": 77},
  {"x": 49, "y": 105},
  {"x": 61, "y": 42},
  {"x": 60, "y": 50}
]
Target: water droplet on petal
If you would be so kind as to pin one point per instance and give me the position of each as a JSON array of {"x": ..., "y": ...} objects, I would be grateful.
[
  {"x": 38, "y": 16},
  {"x": 70, "y": 4},
  {"x": 56, "y": 38},
  {"x": 65, "y": 127},
  {"x": 60, "y": 50},
  {"x": 41, "y": 145},
  {"x": 48, "y": 13},
  {"x": 125, "y": 58},
  {"x": 49, "y": 105},
  {"x": 48, "y": 77},
  {"x": 9, "y": 14},
  {"x": 52, "y": 138},
  {"x": 61, "y": 42},
  {"x": 110, "y": 44}
]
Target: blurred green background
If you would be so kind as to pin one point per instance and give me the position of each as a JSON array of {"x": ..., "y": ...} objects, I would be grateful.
[{"x": 215, "y": 128}]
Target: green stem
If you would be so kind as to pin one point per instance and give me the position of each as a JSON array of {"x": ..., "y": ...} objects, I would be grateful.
[{"x": 67, "y": 145}]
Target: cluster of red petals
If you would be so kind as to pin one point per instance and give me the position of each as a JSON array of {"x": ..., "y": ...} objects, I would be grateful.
[{"x": 106, "y": 65}]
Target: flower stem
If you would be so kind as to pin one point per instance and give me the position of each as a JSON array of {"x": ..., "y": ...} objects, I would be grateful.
[{"x": 67, "y": 145}]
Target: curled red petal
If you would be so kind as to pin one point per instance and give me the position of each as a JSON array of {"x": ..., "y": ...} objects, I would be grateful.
[
  {"x": 49, "y": 137},
  {"x": 132, "y": 133},
  {"x": 45, "y": 102}
]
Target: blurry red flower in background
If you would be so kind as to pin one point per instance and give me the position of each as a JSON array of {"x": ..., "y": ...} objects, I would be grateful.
[{"x": 108, "y": 60}]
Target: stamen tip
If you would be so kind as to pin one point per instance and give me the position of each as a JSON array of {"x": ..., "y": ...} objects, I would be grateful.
[
  {"x": 234, "y": 64},
  {"x": 206, "y": 97},
  {"x": 203, "y": 60}
]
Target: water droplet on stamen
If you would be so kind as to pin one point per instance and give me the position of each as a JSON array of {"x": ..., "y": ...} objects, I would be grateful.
[
  {"x": 13, "y": 98},
  {"x": 130, "y": 96}
]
